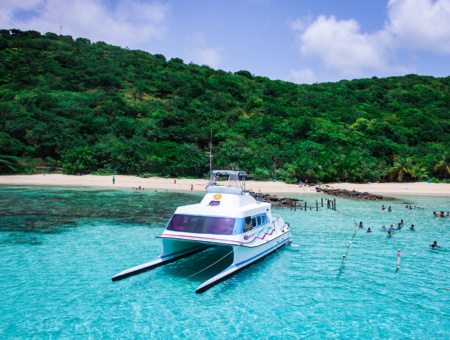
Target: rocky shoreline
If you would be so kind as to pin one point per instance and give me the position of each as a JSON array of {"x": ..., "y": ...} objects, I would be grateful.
[
  {"x": 342, "y": 193},
  {"x": 275, "y": 200},
  {"x": 351, "y": 194}
]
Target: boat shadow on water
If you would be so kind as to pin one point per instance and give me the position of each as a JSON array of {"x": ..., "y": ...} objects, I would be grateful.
[{"x": 201, "y": 266}]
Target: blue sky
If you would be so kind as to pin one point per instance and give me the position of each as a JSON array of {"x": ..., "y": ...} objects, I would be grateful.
[{"x": 303, "y": 41}]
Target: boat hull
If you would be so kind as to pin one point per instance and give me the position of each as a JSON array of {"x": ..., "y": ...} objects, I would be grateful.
[{"x": 244, "y": 257}]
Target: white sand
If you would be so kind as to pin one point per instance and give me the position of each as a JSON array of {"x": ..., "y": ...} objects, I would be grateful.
[{"x": 169, "y": 184}]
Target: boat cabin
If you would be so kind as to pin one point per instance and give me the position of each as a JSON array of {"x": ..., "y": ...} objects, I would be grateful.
[{"x": 226, "y": 209}]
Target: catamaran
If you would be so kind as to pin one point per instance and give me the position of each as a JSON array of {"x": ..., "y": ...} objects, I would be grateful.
[{"x": 228, "y": 215}]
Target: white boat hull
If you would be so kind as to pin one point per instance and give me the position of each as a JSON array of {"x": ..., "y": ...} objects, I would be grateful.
[{"x": 245, "y": 256}]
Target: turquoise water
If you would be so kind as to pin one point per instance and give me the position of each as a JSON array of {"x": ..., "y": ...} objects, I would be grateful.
[{"x": 59, "y": 248}]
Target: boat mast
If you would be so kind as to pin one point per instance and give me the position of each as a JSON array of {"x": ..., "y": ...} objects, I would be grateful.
[{"x": 210, "y": 156}]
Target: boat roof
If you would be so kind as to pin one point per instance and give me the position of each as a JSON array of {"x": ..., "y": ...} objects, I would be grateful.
[{"x": 229, "y": 172}]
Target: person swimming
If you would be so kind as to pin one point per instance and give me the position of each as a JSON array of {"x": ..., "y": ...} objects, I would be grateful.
[
  {"x": 390, "y": 234},
  {"x": 369, "y": 231},
  {"x": 391, "y": 227},
  {"x": 382, "y": 207},
  {"x": 412, "y": 227},
  {"x": 435, "y": 245},
  {"x": 401, "y": 222},
  {"x": 389, "y": 209},
  {"x": 361, "y": 225},
  {"x": 383, "y": 227},
  {"x": 399, "y": 226}
]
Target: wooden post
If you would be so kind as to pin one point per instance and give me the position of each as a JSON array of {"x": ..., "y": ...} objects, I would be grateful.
[
  {"x": 317, "y": 206},
  {"x": 295, "y": 206},
  {"x": 321, "y": 200},
  {"x": 305, "y": 206},
  {"x": 334, "y": 205}
]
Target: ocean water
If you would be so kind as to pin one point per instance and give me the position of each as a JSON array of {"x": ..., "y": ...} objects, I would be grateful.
[{"x": 59, "y": 248}]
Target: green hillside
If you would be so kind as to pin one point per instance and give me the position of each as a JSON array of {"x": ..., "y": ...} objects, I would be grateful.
[{"x": 93, "y": 107}]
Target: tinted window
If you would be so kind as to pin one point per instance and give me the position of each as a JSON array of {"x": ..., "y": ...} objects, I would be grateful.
[
  {"x": 253, "y": 222},
  {"x": 247, "y": 223},
  {"x": 259, "y": 220},
  {"x": 202, "y": 224}
]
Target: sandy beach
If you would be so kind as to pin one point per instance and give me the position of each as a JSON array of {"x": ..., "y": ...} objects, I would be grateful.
[{"x": 181, "y": 184}]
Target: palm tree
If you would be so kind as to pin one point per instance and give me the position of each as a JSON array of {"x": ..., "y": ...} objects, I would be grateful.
[
  {"x": 401, "y": 166},
  {"x": 421, "y": 171},
  {"x": 8, "y": 164},
  {"x": 444, "y": 164}
]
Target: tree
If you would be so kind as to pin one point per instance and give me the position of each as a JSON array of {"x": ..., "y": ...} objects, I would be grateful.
[
  {"x": 8, "y": 164},
  {"x": 444, "y": 164},
  {"x": 401, "y": 166}
]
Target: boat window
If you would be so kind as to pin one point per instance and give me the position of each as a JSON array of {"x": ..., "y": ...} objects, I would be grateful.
[
  {"x": 259, "y": 219},
  {"x": 202, "y": 224},
  {"x": 214, "y": 203},
  {"x": 247, "y": 223},
  {"x": 264, "y": 218},
  {"x": 254, "y": 222}
]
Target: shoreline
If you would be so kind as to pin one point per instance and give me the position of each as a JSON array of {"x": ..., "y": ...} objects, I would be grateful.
[{"x": 199, "y": 185}]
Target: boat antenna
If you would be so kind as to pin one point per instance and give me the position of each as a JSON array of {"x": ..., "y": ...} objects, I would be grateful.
[{"x": 210, "y": 156}]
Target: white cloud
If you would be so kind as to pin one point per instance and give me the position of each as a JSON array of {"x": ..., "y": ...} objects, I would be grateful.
[
  {"x": 303, "y": 76},
  {"x": 346, "y": 51},
  {"x": 130, "y": 23},
  {"x": 340, "y": 45},
  {"x": 203, "y": 54},
  {"x": 420, "y": 24}
]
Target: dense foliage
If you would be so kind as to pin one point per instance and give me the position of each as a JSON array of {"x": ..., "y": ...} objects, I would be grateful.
[{"x": 96, "y": 107}]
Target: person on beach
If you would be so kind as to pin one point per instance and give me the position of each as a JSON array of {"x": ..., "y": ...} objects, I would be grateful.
[
  {"x": 389, "y": 209},
  {"x": 192, "y": 187},
  {"x": 114, "y": 180},
  {"x": 369, "y": 231},
  {"x": 361, "y": 225},
  {"x": 412, "y": 227}
]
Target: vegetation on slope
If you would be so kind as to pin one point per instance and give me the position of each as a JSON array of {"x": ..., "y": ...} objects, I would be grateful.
[{"x": 95, "y": 107}]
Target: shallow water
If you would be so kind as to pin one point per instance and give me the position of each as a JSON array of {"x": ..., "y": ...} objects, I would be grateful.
[{"x": 59, "y": 248}]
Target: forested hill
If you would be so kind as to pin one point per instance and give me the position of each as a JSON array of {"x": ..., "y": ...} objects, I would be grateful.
[{"x": 93, "y": 107}]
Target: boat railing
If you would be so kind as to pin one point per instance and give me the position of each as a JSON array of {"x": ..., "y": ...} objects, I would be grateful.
[
  {"x": 227, "y": 181},
  {"x": 258, "y": 196}
]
